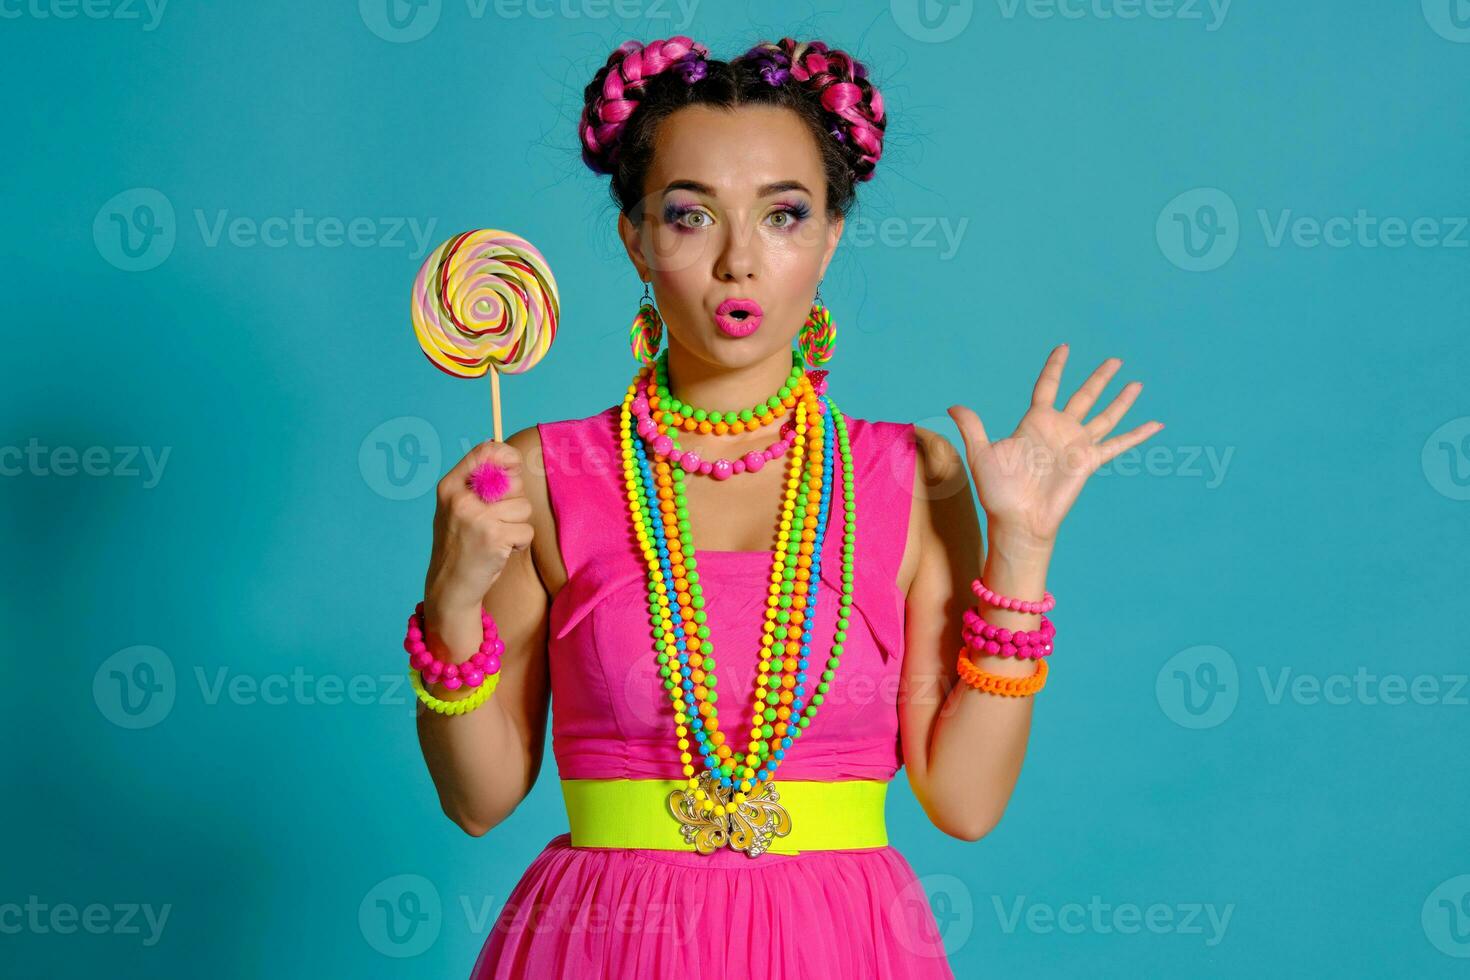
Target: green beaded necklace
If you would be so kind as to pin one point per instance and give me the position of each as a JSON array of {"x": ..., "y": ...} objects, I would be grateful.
[
  {"x": 765, "y": 411},
  {"x": 711, "y": 810}
]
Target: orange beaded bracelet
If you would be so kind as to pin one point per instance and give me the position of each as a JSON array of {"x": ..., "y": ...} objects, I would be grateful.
[{"x": 1015, "y": 687}]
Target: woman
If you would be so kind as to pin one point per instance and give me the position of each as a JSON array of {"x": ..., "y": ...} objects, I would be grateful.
[{"x": 628, "y": 567}]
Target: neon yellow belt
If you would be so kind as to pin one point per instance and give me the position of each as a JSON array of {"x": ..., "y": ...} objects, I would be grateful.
[{"x": 810, "y": 815}]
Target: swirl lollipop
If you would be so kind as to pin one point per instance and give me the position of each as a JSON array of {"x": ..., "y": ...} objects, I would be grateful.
[{"x": 485, "y": 300}]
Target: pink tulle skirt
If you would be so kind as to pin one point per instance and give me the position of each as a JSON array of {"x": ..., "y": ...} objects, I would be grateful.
[{"x": 583, "y": 912}]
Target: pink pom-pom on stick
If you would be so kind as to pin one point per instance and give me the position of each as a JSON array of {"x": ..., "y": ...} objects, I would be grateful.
[{"x": 489, "y": 481}]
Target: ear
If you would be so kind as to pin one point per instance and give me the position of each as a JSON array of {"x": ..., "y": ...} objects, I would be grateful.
[
  {"x": 632, "y": 238},
  {"x": 834, "y": 235}
]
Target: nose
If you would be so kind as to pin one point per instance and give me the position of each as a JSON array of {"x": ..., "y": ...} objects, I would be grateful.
[{"x": 738, "y": 258}]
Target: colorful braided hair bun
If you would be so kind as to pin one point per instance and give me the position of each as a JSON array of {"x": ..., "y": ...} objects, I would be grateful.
[
  {"x": 617, "y": 88},
  {"x": 853, "y": 105}
]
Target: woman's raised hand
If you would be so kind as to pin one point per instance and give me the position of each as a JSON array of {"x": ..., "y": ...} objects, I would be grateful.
[{"x": 1028, "y": 482}]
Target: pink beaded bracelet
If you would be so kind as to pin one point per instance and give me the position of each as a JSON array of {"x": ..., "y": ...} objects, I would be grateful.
[
  {"x": 1001, "y": 642},
  {"x": 990, "y": 597},
  {"x": 472, "y": 673},
  {"x": 976, "y": 624}
]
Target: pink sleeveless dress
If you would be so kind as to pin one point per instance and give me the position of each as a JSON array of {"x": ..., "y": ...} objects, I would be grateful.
[{"x": 623, "y": 912}]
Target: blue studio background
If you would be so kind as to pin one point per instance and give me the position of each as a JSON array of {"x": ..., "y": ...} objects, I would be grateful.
[{"x": 219, "y": 442}]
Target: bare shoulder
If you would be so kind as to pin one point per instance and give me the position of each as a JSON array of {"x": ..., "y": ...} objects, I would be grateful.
[
  {"x": 528, "y": 443},
  {"x": 941, "y": 495},
  {"x": 938, "y": 458}
]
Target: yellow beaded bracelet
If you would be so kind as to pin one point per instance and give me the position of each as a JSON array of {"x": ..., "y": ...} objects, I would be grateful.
[
  {"x": 1015, "y": 687},
  {"x": 460, "y": 706}
]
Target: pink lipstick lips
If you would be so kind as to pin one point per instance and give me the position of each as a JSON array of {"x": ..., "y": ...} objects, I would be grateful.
[{"x": 738, "y": 317}]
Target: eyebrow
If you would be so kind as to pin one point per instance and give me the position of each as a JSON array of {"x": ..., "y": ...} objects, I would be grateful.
[{"x": 765, "y": 190}]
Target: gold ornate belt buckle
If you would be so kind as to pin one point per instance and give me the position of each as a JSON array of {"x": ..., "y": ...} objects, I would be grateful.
[{"x": 749, "y": 825}]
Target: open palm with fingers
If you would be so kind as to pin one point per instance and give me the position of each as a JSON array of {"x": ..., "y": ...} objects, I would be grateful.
[{"x": 1028, "y": 481}]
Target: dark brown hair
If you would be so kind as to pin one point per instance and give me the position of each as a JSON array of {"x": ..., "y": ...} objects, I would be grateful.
[{"x": 641, "y": 85}]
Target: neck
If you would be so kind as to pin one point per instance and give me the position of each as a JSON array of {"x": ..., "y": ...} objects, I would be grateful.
[{"x": 717, "y": 388}]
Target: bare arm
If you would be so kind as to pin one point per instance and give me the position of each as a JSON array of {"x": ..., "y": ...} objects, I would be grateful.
[
  {"x": 484, "y": 762},
  {"x": 962, "y": 748}
]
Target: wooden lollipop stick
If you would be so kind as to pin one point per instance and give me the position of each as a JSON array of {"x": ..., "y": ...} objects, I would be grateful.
[{"x": 495, "y": 399}]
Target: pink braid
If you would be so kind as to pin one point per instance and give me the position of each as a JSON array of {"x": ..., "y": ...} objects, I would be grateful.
[
  {"x": 841, "y": 83},
  {"x": 618, "y": 86}
]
